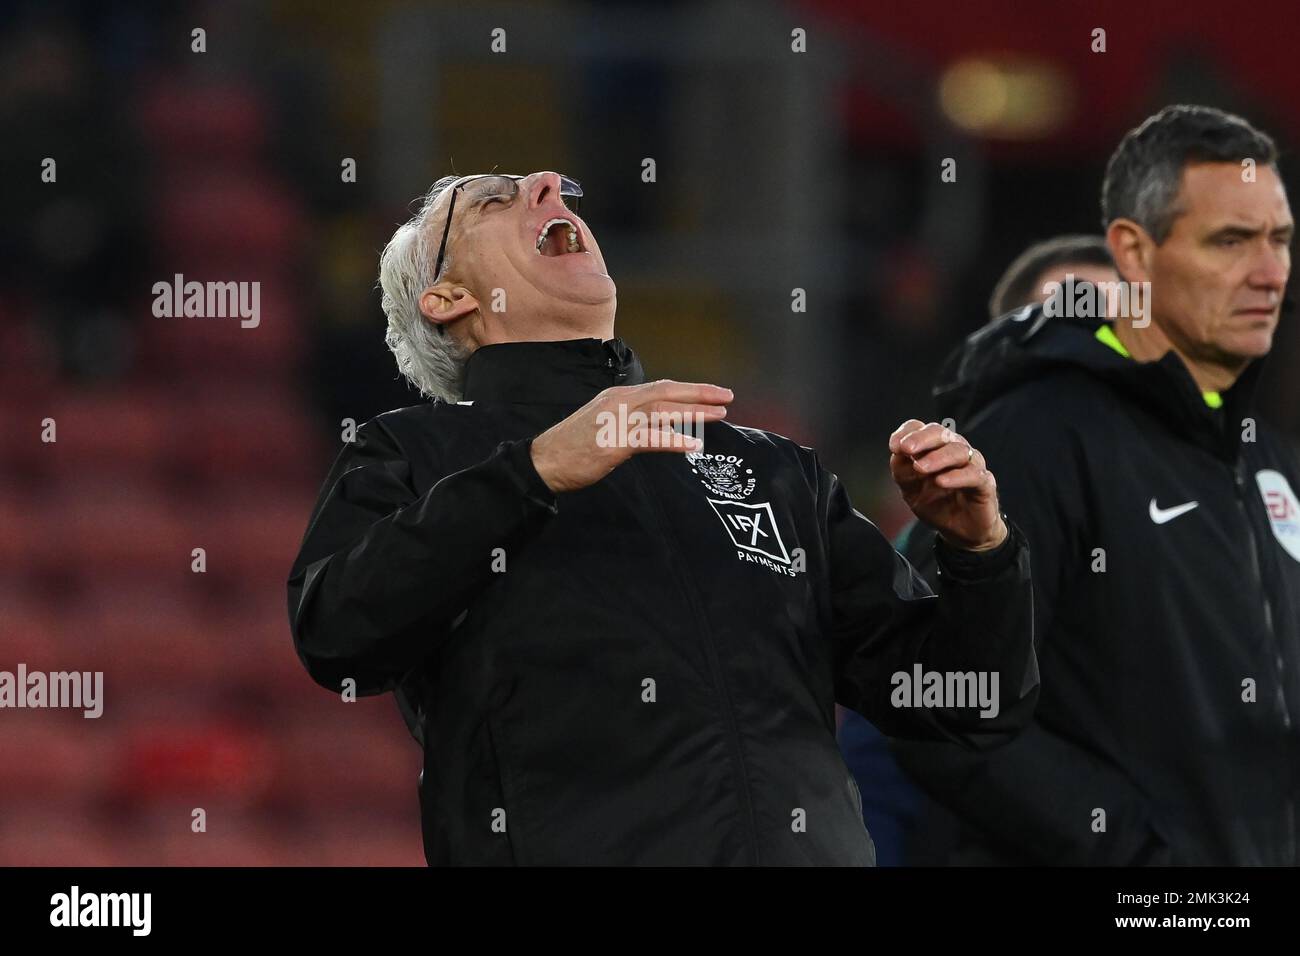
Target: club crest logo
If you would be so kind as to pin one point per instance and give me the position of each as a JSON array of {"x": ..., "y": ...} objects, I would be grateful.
[
  {"x": 751, "y": 526},
  {"x": 724, "y": 475}
]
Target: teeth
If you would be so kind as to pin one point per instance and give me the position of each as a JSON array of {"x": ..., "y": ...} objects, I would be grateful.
[{"x": 573, "y": 245}]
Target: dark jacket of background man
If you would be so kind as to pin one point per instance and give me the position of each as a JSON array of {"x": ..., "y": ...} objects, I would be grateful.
[{"x": 1171, "y": 679}]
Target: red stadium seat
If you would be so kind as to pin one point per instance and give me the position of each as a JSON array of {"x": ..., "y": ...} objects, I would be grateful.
[
  {"x": 111, "y": 432},
  {"x": 183, "y": 121},
  {"x": 258, "y": 225},
  {"x": 112, "y": 528}
]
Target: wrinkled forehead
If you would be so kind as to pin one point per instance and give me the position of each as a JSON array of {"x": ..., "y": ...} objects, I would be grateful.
[{"x": 1227, "y": 190}]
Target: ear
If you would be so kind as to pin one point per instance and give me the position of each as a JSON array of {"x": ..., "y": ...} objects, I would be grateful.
[
  {"x": 445, "y": 303},
  {"x": 1131, "y": 247}
]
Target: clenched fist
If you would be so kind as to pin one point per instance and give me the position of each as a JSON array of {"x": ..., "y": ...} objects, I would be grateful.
[
  {"x": 946, "y": 484},
  {"x": 578, "y": 451}
]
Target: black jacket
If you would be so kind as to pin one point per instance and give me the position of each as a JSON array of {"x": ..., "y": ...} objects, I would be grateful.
[
  {"x": 1144, "y": 714},
  {"x": 646, "y": 671}
]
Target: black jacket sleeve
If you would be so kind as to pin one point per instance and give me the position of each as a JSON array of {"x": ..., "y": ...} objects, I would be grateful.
[
  {"x": 1033, "y": 799},
  {"x": 384, "y": 571},
  {"x": 887, "y": 621}
]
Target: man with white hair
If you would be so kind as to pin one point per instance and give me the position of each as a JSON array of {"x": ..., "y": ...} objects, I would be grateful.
[{"x": 621, "y": 645}]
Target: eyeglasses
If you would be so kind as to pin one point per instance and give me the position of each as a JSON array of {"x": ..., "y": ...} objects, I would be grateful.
[{"x": 485, "y": 187}]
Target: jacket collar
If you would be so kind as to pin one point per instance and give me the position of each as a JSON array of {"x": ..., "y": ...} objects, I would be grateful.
[
  {"x": 1169, "y": 389},
  {"x": 1025, "y": 345},
  {"x": 549, "y": 373}
]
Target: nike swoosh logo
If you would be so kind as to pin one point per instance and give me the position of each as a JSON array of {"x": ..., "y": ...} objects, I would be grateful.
[{"x": 1161, "y": 515}]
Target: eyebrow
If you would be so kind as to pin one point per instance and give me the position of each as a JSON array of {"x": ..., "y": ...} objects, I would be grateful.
[
  {"x": 476, "y": 202},
  {"x": 1250, "y": 232}
]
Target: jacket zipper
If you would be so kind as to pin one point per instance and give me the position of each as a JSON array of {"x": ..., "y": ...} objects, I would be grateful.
[
  {"x": 715, "y": 666},
  {"x": 1256, "y": 564}
]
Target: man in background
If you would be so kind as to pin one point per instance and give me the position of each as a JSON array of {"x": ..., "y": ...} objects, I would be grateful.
[
  {"x": 891, "y": 803},
  {"x": 1027, "y": 279},
  {"x": 1165, "y": 531}
]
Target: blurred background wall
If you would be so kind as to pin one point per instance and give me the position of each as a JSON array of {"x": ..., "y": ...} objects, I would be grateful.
[{"x": 775, "y": 171}]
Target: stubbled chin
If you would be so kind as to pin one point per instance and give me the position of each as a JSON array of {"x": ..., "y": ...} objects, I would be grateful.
[{"x": 1248, "y": 344}]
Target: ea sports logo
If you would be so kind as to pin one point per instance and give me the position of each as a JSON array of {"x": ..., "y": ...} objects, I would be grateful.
[{"x": 1282, "y": 507}]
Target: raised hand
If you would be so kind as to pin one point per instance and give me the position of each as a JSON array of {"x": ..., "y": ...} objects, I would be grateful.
[
  {"x": 578, "y": 451},
  {"x": 946, "y": 484}
]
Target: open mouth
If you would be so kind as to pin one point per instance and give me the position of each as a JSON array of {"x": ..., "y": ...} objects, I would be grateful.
[{"x": 558, "y": 237}]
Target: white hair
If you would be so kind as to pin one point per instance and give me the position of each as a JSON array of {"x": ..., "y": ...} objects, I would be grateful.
[{"x": 433, "y": 363}]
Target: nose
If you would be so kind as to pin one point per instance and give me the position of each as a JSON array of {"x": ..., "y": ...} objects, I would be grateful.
[
  {"x": 1272, "y": 268},
  {"x": 541, "y": 187}
]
